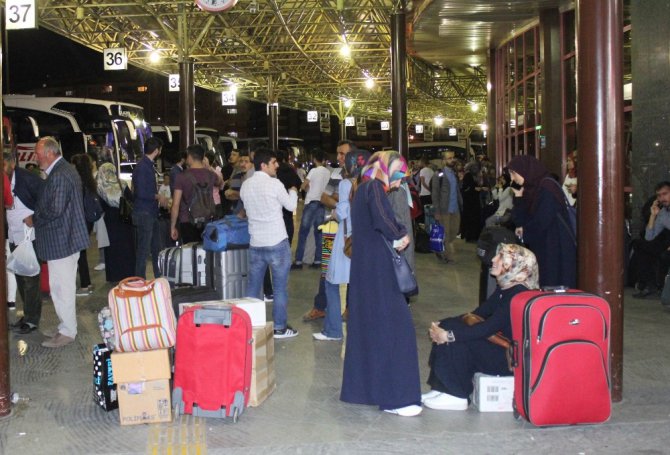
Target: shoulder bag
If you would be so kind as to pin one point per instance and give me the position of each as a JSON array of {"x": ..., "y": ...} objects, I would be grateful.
[{"x": 403, "y": 272}]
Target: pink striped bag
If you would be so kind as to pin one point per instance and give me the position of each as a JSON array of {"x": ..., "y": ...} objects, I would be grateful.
[{"x": 143, "y": 315}]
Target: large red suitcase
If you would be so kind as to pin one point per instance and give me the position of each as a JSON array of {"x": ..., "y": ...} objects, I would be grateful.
[
  {"x": 212, "y": 366},
  {"x": 561, "y": 345}
]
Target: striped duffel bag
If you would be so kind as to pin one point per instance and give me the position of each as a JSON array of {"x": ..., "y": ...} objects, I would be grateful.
[{"x": 142, "y": 314}]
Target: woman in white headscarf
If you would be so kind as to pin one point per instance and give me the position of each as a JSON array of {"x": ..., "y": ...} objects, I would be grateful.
[{"x": 120, "y": 254}]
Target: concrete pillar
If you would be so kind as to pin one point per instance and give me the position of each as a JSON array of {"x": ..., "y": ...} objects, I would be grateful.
[
  {"x": 186, "y": 104},
  {"x": 399, "y": 81},
  {"x": 600, "y": 114},
  {"x": 552, "y": 105}
]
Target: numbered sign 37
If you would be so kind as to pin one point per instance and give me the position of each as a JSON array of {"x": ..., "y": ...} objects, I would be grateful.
[
  {"x": 115, "y": 59},
  {"x": 20, "y": 14}
]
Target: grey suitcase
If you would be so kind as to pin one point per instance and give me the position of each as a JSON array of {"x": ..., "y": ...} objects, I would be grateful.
[
  {"x": 230, "y": 273},
  {"x": 184, "y": 265}
]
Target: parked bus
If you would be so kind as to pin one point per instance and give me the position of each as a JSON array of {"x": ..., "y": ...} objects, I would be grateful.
[
  {"x": 115, "y": 131},
  {"x": 207, "y": 137},
  {"x": 292, "y": 144},
  {"x": 434, "y": 151},
  {"x": 30, "y": 124}
]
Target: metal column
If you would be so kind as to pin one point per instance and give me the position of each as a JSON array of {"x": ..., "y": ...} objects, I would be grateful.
[
  {"x": 600, "y": 111},
  {"x": 491, "y": 111},
  {"x": 186, "y": 104},
  {"x": 273, "y": 125},
  {"x": 399, "y": 81},
  {"x": 5, "y": 389}
]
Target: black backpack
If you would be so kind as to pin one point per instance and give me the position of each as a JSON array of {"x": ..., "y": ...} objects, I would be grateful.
[
  {"x": 489, "y": 240},
  {"x": 92, "y": 208},
  {"x": 201, "y": 208}
]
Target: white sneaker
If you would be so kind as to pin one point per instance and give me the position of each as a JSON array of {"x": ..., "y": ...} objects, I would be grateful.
[
  {"x": 429, "y": 395},
  {"x": 408, "y": 411},
  {"x": 321, "y": 337},
  {"x": 99, "y": 267},
  {"x": 446, "y": 402}
]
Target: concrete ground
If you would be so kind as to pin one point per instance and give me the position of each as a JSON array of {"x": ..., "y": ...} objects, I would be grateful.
[{"x": 57, "y": 415}]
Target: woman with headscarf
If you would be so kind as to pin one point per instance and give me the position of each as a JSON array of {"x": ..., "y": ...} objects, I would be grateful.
[
  {"x": 381, "y": 365},
  {"x": 120, "y": 254},
  {"x": 541, "y": 215},
  {"x": 461, "y": 350},
  {"x": 339, "y": 264}
]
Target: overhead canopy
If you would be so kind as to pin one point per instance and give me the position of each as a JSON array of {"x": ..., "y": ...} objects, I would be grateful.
[{"x": 294, "y": 47}]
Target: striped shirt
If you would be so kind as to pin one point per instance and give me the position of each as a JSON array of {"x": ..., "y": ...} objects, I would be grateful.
[{"x": 263, "y": 197}]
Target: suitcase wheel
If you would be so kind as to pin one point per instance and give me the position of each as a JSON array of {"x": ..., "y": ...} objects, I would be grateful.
[
  {"x": 237, "y": 406},
  {"x": 177, "y": 403},
  {"x": 235, "y": 415},
  {"x": 517, "y": 416}
]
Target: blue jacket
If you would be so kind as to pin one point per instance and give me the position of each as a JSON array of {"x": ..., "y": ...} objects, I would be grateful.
[
  {"x": 27, "y": 187},
  {"x": 60, "y": 227},
  {"x": 145, "y": 188}
]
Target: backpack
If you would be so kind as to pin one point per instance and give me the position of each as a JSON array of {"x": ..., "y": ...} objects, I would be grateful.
[
  {"x": 201, "y": 208},
  {"x": 92, "y": 208}
]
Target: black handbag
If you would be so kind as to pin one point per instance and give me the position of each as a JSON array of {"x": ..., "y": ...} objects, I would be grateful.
[
  {"x": 125, "y": 208},
  {"x": 403, "y": 272}
]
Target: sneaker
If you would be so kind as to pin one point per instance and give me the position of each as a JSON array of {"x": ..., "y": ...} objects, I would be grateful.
[
  {"x": 84, "y": 291},
  {"x": 315, "y": 265},
  {"x": 429, "y": 395},
  {"x": 296, "y": 266},
  {"x": 646, "y": 292},
  {"x": 446, "y": 402},
  {"x": 313, "y": 315},
  {"x": 11, "y": 306},
  {"x": 58, "y": 341},
  {"x": 269, "y": 298},
  {"x": 321, "y": 337},
  {"x": 407, "y": 411},
  {"x": 99, "y": 267},
  {"x": 26, "y": 328},
  {"x": 288, "y": 332}
]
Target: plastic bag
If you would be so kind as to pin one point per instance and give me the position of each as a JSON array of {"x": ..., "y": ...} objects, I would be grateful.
[{"x": 23, "y": 260}]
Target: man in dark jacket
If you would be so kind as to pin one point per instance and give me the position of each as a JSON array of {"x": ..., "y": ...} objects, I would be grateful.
[{"x": 26, "y": 187}]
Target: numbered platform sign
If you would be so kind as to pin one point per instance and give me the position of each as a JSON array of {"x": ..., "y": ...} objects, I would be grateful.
[
  {"x": 228, "y": 98},
  {"x": 115, "y": 59},
  {"x": 20, "y": 14},
  {"x": 173, "y": 83}
]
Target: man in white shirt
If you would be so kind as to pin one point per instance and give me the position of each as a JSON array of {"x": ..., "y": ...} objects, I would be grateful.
[
  {"x": 264, "y": 197},
  {"x": 425, "y": 176},
  {"x": 313, "y": 212}
]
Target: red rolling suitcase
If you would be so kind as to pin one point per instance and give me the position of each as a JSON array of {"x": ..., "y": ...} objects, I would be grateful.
[
  {"x": 212, "y": 366},
  {"x": 561, "y": 345}
]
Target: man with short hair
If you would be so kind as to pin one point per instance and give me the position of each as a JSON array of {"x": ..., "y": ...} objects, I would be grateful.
[
  {"x": 655, "y": 247},
  {"x": 177, "y": 169},
  {"x": 60, "y": 234},
  {"x": 26, "y": 187},
  {"x": 313, "y": 211},
  {"x": 146, "y": 200},
  {"x": 242, "y": 168},
  {"x": 447, "y": 203},
  {"x": 185, "y": 192},
  {"x": 264, "y": 196},
  {"x": 227, "y": 172}
]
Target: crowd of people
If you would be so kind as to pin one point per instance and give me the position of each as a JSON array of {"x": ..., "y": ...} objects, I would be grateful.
[{"x": 375, "y": 200}]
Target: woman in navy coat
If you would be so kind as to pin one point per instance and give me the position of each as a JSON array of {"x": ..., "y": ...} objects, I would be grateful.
[
  {"x": 381, "y": 364},
  {"x": 459, "y": 350},
  {"x": 541, "y": 215}
]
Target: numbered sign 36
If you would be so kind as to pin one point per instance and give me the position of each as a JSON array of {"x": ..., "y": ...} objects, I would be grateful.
[
  {"x": 115, "y": 59},
  {"x": 20, "y": 14}
]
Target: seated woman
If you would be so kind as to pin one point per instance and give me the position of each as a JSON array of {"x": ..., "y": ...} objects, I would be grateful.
[{"x": 460, "y": 350}]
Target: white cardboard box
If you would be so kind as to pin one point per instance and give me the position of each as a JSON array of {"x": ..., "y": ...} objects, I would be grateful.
[
  {"x": 255, "y": 308},
  {"x": 493, "y": 393}
]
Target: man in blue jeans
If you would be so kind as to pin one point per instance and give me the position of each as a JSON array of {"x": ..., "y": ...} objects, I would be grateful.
[
  {"x": 145, "y": 208},
  {"x": 313, "y": 212},
  {"x": 264, "y": 196}
]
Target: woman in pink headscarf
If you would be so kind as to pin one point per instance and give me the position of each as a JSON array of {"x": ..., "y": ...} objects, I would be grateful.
[{"x": 381, "y": 365}]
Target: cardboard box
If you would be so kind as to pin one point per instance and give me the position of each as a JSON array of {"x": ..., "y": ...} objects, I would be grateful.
[
  {"x": 263, "y": 371},
  {"x": 143, "y": 386},
  {"x": 104, "y": 388},
  {"x": 493, "y": 393},
  {"x": 255, "y": 308},
  {"x": 141, "y": 366},
  {"x": 145, "y": 402}
]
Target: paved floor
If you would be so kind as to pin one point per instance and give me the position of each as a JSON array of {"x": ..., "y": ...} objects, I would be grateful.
[{"x": 304, "y": 415}]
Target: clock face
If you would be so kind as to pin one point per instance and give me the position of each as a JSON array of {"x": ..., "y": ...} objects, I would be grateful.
[{"x": 215, "y": 5}]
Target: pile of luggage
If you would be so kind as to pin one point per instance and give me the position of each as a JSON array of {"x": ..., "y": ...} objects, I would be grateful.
[{"x": 222, "y": 345}]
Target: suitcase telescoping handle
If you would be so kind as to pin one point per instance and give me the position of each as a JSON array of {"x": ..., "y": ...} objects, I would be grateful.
[
  {"x": 219, "y": 316},
  {"x": 556, "y": 289}
]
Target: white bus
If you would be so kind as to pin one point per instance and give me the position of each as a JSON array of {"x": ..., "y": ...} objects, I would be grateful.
[
  {"x": 115, "y": 131},
  {"x": 292, "y": 144},
  {"x": 207, "y": 137}
]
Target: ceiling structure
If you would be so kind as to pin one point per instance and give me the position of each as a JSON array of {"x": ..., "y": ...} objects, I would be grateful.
[{"x": 293, "y": 46}]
